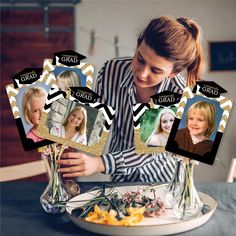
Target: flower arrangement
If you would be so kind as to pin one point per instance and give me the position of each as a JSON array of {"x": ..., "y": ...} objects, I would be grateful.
[{"x": 116, "y": 209}]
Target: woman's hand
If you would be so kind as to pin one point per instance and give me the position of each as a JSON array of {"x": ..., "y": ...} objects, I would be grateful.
[{"x": 76, "y": 164}]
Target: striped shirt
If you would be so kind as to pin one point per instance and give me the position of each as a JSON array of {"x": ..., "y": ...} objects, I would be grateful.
[{"x": 115, "y": 85}]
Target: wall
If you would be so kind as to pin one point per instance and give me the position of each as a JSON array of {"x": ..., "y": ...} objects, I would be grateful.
[
  {"x": 23, "y": 44},
  {"x": 127, "y": 18}
]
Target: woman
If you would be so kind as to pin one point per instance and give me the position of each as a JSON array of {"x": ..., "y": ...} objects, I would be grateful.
[
  {"x": 162, "y": 129},
  {"x": 166, "y": 47},
  {"x": 74, "y": 127}
]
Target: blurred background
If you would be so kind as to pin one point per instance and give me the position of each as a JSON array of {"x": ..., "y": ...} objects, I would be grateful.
[{"x": 101, "y": 30}]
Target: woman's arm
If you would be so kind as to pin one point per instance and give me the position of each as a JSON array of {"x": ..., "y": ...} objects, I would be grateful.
[
  {"x": 156, "y": 167},
  {"x": 79, "y": 164}
]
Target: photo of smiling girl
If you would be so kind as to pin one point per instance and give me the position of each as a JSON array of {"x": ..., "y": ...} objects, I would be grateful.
[
  {"x": 33, "y": 102},
  {"x": 74, "y": 127},
  {"x": 162, "y": 129},
  {"x": 201, "y": 119}
]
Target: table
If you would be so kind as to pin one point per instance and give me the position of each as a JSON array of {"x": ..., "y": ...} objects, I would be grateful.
[{"x": 22, "y": 214}]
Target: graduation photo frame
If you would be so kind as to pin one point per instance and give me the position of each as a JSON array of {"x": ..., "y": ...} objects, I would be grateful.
[
  {"x": 153, "y": 122},
  {"x": 98, "y": 120},
  {"x": 68, "y": 70},
  {"x": 200, "y": 122},
  {"x": 29, "y": 91}
]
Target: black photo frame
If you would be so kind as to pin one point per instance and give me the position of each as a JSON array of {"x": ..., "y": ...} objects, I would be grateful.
[{"x": 180, "y": 141}]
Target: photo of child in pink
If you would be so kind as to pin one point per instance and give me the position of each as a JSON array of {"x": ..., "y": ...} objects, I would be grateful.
[
  {"x": 200, "y": 121},
  {"x": 74, "y": 127},
  {"x": 33, "y": 102},
  {"x": 162, "y": 129}
]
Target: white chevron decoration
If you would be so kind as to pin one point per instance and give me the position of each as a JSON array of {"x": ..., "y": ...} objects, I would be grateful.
[
  {"x": 12, "y": 99},
  {"x": 11, "y": 90},
  {"x": 47, "y": 65},
  {"x": 88, "y": 68}
]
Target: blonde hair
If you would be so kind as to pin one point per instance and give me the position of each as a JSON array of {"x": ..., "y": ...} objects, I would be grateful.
[
  {"x": 158, "y": 128},
  {"x": 68, "y": 78},
  {"x": 209, "y": 111},
  {"x": 179, "y": 41},
  {"x": 35, "y": 92},
  {"x": 82, "y": 128}
]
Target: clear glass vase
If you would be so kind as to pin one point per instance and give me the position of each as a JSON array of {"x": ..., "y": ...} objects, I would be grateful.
[
  {"x": 181, "y": 194},
  {"x": 55, "y": 195},
  {"x": 175, "y": 187}
]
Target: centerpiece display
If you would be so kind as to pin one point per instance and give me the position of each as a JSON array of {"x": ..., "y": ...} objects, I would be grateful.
[
  {"x": 184, "y": 128},
  {"x": 196, "y": 133}
]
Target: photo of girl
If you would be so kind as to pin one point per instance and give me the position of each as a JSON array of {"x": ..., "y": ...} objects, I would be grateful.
[
  {"x": 200, "y": 121},
  {"x": 67, "y": 79},
  {"x": 162, "y": 129},
  {"x": 33, "y": 102},
  {"x": 74, "y": 127}
]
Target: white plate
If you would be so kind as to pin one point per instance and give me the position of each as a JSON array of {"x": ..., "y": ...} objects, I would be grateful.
[{"x": 163, "y": 225}]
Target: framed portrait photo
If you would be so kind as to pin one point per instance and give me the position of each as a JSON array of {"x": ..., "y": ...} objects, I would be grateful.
[
  {"x": 69, "y": 76},
  {"x": 84, "y": 126},
  {"x": 153, "y": 123},
  {"x": 199, "y": 125},
  {"x": 27, "y": 103}
]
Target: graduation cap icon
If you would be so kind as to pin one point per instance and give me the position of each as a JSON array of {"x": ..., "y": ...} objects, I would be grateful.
[
  {"x": 27, "y": 76},
  {"x": 209, "y": 88},
  {"x": 68, "y": 58},
  {"x": 84, "y": 94},
  {"x": 166, "y": 98}
]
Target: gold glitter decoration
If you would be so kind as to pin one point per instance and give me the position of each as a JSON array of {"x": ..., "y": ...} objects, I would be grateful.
[{"x": 141, "y": 147}]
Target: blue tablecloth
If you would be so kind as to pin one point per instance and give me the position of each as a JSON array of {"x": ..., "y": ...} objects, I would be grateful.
[{"x": 22, "y": 214}]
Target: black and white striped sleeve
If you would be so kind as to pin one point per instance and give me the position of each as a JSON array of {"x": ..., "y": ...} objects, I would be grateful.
[{"x": 150, "y": 167}]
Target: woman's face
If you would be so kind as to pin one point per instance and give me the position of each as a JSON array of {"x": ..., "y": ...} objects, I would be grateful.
[
  {"x": 36, "y": 105},
  {"x": 75, "y": 118},
  {"x": 167, "y": 120},
  {"x": 149, "y": 69}
]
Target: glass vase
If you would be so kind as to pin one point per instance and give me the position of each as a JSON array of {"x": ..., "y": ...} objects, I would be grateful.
[
  {"x": 55, "y": 195},
  {"x": 181, "y": 194},
  {"x": 175, "y": 187}
]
